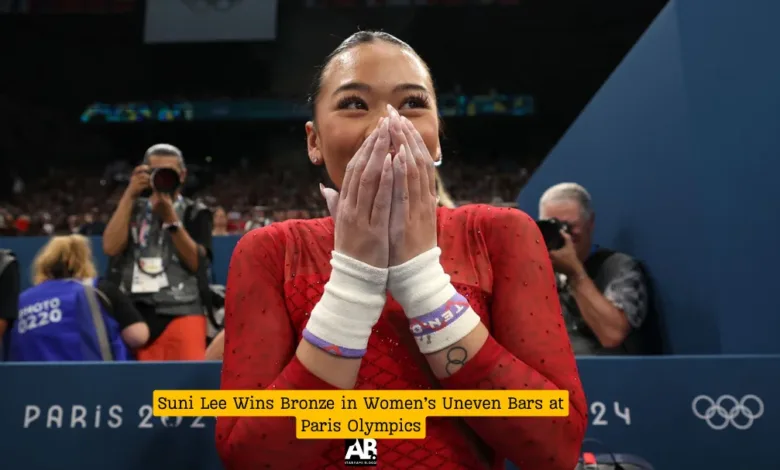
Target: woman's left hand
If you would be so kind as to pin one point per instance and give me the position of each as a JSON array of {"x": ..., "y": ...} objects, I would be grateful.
[{"x": 413, "y": 209}]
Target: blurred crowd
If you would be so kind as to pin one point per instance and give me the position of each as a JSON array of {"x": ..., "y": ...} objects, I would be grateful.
[
  {"x": 80, "y": 190},
  {"x": 68, "y": 201}
]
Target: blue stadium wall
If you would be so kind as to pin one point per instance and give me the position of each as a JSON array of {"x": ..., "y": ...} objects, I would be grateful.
[
  {"x": 27, "y": 247},
  {"x": 680, "y": 150}
]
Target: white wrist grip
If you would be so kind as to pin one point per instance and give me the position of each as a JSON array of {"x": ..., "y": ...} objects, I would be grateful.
[
  {"x": 351, "y": 304},
  {"x": 438, "y": 316}
]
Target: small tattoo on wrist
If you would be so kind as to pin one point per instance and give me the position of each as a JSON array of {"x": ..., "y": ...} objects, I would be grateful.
[{"x": 456, "y": 358}]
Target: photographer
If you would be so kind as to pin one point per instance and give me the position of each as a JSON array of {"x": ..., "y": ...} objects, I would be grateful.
[
  {"x": 603, "y": 294},
  {"x": 160, "y": 249}
]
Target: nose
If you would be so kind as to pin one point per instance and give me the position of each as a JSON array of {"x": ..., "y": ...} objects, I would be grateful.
[
  {"x": 382, "y": 112},
  {"x": 390, "y": 110},
  {"x": 386, "y": 112}
]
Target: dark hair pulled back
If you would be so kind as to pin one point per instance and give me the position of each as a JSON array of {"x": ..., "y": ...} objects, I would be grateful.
[{"x": 357, "y": 39}]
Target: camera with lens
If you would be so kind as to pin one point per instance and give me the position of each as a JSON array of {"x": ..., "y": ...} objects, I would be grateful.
[
  {"x": 165, "y": 180},
  {"x": 551, "y": 232}
]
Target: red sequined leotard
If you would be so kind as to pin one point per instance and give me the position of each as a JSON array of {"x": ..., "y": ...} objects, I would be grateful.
[{"x": 496, "y": 259}]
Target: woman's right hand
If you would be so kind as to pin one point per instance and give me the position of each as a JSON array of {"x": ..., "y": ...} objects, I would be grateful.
[{"x": 361, "y": 210}]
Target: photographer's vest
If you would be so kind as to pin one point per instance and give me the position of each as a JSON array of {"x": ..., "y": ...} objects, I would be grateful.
[
  {"x": 179, "y": 292},
  {"x": 645, "y": 340},
  {"x": 55, "y": 323}
]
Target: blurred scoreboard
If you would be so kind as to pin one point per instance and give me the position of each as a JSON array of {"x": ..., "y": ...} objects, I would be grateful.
[{"x": 404, "y": 3}]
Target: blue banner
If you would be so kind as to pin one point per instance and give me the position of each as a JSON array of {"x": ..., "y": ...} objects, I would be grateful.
[
  {"x": 675, "y": 412},
  {"x": 450, "y": 105}
]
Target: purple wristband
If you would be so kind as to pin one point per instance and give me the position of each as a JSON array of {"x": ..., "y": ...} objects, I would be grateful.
[
  {"x": 439, "y": 318},
  {"x": 332, "y": 348}
]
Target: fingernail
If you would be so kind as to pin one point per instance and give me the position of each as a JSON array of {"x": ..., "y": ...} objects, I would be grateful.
[
  {"x": 391, "y": 110},
  {"x": 322, "y": 190},
  {"x": 387, "y": 163}
]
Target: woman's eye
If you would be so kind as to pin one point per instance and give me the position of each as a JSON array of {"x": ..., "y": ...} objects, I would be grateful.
[
  {"x": 352, "y": 102},
  {"x": 415, "y": 102}
]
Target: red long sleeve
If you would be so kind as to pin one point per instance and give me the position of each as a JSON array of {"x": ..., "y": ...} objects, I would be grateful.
[
  {"x": 276, "y": 277},
  {"x": 529, "y": 349},
  {"x": 260, "y": 354}
]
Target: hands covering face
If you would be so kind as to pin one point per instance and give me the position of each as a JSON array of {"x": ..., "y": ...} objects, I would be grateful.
[{"x": 385, "y": 213}]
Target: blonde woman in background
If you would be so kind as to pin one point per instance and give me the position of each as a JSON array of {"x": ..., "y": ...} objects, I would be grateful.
[{"x": 55, "y": 321}]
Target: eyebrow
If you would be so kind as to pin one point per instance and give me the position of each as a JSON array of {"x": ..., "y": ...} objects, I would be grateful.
[{"x": 360, "y": 86}]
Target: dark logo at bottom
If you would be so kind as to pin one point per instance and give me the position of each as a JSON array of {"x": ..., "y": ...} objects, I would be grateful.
[{"x": 360, "y": 452}]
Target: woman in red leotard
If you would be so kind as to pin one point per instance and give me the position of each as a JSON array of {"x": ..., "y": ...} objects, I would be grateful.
[{"x": 347, "y": 302}]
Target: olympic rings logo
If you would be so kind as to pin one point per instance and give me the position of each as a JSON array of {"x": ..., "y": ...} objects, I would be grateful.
[{"x": 727, "y": 410}]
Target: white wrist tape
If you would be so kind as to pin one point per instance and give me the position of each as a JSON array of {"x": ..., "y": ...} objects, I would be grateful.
[
  {"x": 438, "y": 316},
  {"x": 351, "y": 304}
]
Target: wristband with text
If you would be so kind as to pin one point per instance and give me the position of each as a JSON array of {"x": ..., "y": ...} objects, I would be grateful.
[
  {"x": 438, "y": 316},
  {"x": 351, "y": 304}
]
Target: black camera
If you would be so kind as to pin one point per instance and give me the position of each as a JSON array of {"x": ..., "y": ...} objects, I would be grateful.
[
  {"x": 165, "y": 180},
  {"x": 551, "y": 232}
]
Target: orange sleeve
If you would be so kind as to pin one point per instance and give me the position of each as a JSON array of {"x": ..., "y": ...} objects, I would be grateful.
[
  {"x": 529, "y": 350},
  {"x": 260, "y": 354}
]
